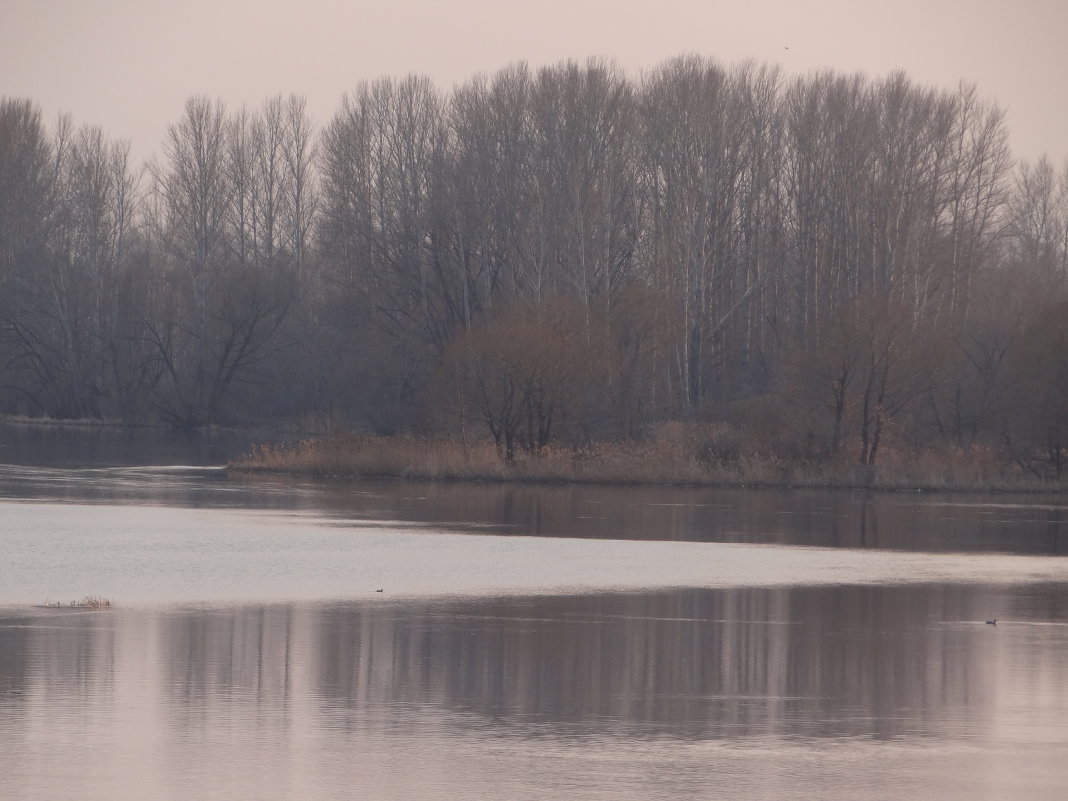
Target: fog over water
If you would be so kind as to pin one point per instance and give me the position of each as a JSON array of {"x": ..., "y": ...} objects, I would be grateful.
[{"x": 272, "y": 638}]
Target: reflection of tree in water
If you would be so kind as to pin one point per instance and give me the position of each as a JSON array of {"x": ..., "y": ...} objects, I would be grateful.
[
  {"x": 837, "y": 518},
  {"x": 807, "y": 662},
  {"x": 66, "y": 657},
  {"x": 14, "y": 658},
  {"x": 869, "y": 524},
  {"x": 841, "y": 661},
  {"x": 1056, "y": 535},
  {"x": 216, "y": 655}
]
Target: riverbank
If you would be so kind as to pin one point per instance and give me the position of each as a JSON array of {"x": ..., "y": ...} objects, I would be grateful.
[
  {"x": 75, "y": 422},
  {"x": 38, "y": 442},
  {"x": 665, "y": 460}
]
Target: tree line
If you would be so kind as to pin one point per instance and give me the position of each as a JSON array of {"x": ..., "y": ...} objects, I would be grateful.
[{"x": 835, "y": 264}]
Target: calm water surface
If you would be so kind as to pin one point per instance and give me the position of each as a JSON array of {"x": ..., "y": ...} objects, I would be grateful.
[{"x": 579, "y": 643}]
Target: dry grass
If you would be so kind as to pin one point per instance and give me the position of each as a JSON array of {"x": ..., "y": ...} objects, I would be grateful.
[
  {"x": 675, "y": 453},
  {"x": 88, "y": 602},
  {"x": 356, "y": 455},
  {"x": 94, "y": 602}
]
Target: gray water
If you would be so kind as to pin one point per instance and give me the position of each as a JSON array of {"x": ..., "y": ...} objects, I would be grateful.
[{"x": 527, "y": 643}]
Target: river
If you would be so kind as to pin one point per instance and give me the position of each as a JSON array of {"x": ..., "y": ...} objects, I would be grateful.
[{"x": 286, "y": 639}]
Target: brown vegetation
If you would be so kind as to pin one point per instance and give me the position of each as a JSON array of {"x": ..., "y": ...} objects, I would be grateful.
[{"x": 694, "y": 454}]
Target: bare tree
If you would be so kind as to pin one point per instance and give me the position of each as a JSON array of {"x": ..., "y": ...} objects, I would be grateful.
[
  {"x": 62, "y": 282},
  {"x": 377, "y": 159},
  {"x": 1039, "y": 219},
  {"x": 25, "y": 206},
  {"x": 695, "y": 140},
  {"x": 529, "y": 372},
  {"x": 222, "y": 309},
  {"x": 979, "y": 162},
  {"x": 1037, "y": 432},
  {"x": 301, "y": 198}
]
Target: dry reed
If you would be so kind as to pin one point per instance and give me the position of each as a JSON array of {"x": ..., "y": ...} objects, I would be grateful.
[{"x": 693, "y": 454}]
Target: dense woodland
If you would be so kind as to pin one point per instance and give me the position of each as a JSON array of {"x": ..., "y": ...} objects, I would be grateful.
[{"x": 832, "y": 266}]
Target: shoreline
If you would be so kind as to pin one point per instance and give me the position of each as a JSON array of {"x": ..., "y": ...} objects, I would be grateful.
[
  {"x": 358, "y": 457},
  {"x": 680, "y": 459}
]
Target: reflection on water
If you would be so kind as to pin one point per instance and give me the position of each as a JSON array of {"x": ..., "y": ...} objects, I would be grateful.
[
  {"x": 136, "y": 554},
  {"x": 77, "y": 446},
  {"x": 838, "y": 519},
  {"x": 497, "y": 663},
  {"x": 741, "y": 663},
  {"x": 729, "y": 694}
]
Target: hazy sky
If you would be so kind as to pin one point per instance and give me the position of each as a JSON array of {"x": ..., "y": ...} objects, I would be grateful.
[{"x": 129, "y": 65}]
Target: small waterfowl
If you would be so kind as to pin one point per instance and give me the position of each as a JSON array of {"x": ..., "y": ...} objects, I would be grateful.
[{"x": 993, "y": 622}]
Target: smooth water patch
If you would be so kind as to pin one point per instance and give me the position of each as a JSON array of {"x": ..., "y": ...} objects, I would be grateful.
[
  {"x": 863, "y": 692},
  {"x": 136, "y": 554},
  {"x": 839, "y": 519},
  {"x": 767, "y": 644}
]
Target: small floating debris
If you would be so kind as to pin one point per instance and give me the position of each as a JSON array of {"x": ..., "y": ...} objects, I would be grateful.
[{"x": 88, "y": 602}]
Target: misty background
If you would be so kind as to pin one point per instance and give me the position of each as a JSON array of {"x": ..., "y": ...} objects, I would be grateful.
[
  {"x": 129, "y": 66},
  {"x": 239, "y": 221}
]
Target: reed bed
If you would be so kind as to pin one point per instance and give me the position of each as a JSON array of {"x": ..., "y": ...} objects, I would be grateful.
[{"x": 675, "y": 455}]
